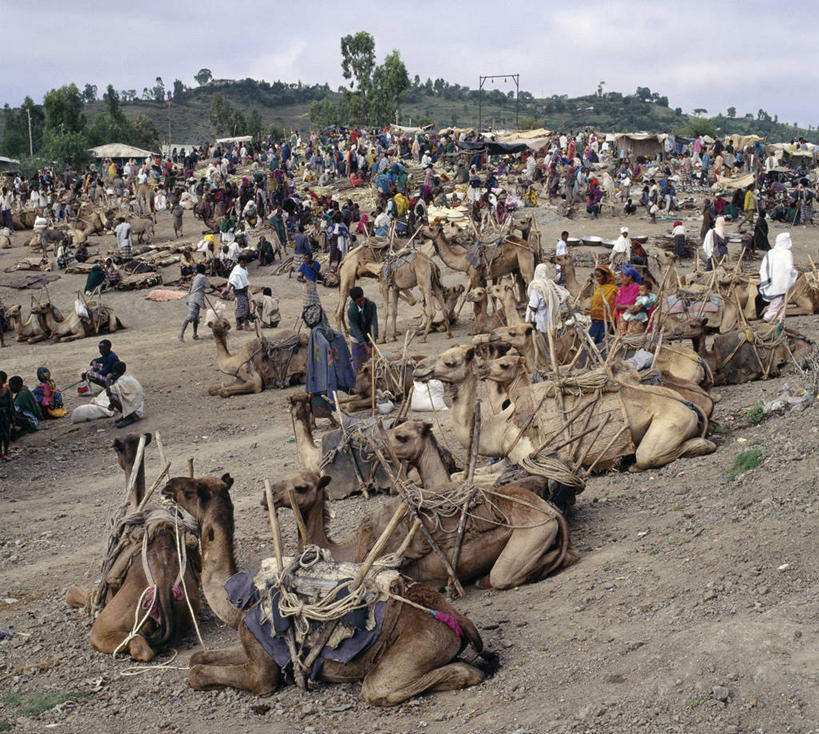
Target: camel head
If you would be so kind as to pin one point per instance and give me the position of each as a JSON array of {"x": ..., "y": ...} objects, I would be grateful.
[
  {"x": 220, "y": 327},
  {"x": 451, "y": 297},
  {"x": 452, "y": 366},
  {"x": 408, "y": 439},
  {"x": 300, "y": 407},
  {"x": 307, "y": 488},
  {"x": 14, "y": 312},
  {"x": 40, "y": 307},
  {"x": 195, "y": 494},
  {"x": 504, "y": 370},
  {"x": 476, "y": 295},
  {"x": 126, "y": 449},
  {"x": 502, "y": 291},
  {"x": 518, "y": 336}
]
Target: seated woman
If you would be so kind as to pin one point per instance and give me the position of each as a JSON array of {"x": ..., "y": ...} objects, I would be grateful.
[
  {"x": 95, "y": 279},
  {"x": 27, "y": 414},
  {"x": 112, "y": 275},
  {"x": 626, "y": 296},
  {"x": 635, "y": 318},
  {"x": 48, "y": 395}
]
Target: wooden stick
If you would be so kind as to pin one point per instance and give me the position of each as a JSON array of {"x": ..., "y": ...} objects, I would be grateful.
[
  {"x": 298, "y": 673},
  {"x": 291, "y": 496},
  {"x": 608, "y": 446},
  {"x": 410, "y": 535},
  {"x": 129, "y": 489},
  {"x": 156, "y": 483},
  {"x": 592, "y": 442},
  {"x": 190, "y": 467}
]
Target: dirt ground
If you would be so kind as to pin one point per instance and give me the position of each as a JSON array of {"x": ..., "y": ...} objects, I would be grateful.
[{"x": 693, "y": 606}]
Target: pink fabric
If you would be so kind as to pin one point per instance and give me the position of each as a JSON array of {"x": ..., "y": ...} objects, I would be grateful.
[
  {"x": 626, "y": 296},
  {"x": 148, "y": 602}
]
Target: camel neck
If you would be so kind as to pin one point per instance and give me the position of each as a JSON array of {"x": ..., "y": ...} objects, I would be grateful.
[
  {"x": 451, "y": 259},
  {"x": 218, "y": 562},
  {"x": 431, "y": 467},
  {"x": 308, "y": 451},
  {"x": 221, "y": 345},
  {"x": 314, "y": 524},
  {"x": 463, "y": 407}
]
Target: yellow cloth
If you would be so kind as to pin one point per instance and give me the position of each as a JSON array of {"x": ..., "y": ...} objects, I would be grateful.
[
  {"x": 749, "y": 201},
  {"x": 606, "y": 290}
]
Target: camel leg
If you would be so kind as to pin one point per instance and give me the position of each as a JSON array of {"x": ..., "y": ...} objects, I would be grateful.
[
  {"x": 226, "y": 656},
  {"x": 415, "y": 663},
  {"x": 661, "y": 443},
  {"x": 525, "y": 554},
  {"x": 77, "y": 597}
]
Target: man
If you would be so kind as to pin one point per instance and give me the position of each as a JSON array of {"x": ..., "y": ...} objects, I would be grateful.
[
  {"x": 267, "y": 255},
  {"x": 177, "y": 213},
  {"x": 196, "y": 301},
  {"x": 240, "y": 285},
  {"x": 621, "y": 252},
  {"x": 362, "y": 316},
  {"x": 561, "y": 248},
  {"x": 301, "y": 244},
  {"x": 267, "y": 309},
  {"x": 309, "y": 273},
  {"x": 126, "y": 395},
  {"x": 123, "y": 233},
  {"x": 277, "y": 222},
  {"x": 100, "y": 372},
  {"x": 5, "y": 209}
]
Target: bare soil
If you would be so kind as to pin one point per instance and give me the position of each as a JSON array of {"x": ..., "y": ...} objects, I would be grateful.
[{"x": 693, "y": 606}]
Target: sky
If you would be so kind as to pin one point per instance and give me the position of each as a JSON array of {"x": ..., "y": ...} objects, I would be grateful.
[{"x": 748, "y": 55}]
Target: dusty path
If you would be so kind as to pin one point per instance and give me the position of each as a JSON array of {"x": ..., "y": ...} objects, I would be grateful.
[{"x": 676, "y": 603}]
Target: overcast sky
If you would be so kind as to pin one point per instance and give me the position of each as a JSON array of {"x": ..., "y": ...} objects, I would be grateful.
[{"x": 749, "y": 54}]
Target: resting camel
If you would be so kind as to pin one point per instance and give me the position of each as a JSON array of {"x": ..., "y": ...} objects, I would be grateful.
[
  {"x": 732, "y": 359},
  {"x": 397, "y": 380},
  {"x": 516, "y": 258},
  {"x": 93, "y": 221},
  {"x": 414, "y": 652},
  {"x": 23, "y": 219},
  {"x": 658, "y": 422},
  {"x": 251, "y": 365},
  {"x": 579, "y": 291},
  {"x": 505, "y": 293},
  {"x": 75, "y": 326},
  {"x": 30, "y": 330},
  {"x": 419, "y": 271},
  {"x": 484, "y": 322},
  {"x": 170, "y": 615},
  {"x": 521, "y": 338},
  {"x": 532, "y": 543}
]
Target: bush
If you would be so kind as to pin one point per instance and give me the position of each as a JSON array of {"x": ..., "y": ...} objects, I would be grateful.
[{"x": 746, "y": 461}]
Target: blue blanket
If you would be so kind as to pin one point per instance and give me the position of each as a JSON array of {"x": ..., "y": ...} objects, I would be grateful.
[{"x": 329, "y": 368}]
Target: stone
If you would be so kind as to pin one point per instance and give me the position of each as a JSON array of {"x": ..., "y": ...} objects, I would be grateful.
[{"x": 720, "y": 693}]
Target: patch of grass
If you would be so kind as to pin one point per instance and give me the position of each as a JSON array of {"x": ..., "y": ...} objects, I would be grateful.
[
  {"x": 719, "y": 430},
  {"x": 31, "y": 704},
  {"x": 699, "y": 701},
  {"x": 746, "y": 461},
  {"x": 677, "y": 507},
  {"x": 5, "y": 725},
  {"x": 755, "y": 415}
]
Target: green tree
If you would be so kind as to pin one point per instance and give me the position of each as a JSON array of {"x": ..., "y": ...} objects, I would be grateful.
[
  {"x": 67, "y": 148},
  {"x": 63, "y": 110},
  {"x": 254, "y": 124},
  {"x": 89, "y": 93},
  {"x": 643, "y": 93},
  {"x": 700, "y": 111},
  {"x": 323, "y": 113},
  {"x": 662, "y": 101},
  {"x": 158, "y": 90},
  {"x": 221, "y": 116},
  {"x": 178, "y": 89},
  {"x": 357, "y": 64},
  {"x": 697, "y": 126},
  {"x": 732, "y": 112},
  {"x": 389, "y": 82},
  {"x": 203, "y": 76},
  {"x": 16, "y": 139},
  {"x": 147, "y": 136}
]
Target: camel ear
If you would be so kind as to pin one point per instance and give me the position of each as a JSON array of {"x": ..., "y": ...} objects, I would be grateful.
[
  {"x": 470, "y": 354},
  {"x": 117, "y": 445},
  {"x": 324, "y": 481},
  {"x": 427, "y": 428},
  {"x": 227, "y": 480},
  {"x": 147, "y": 438}
]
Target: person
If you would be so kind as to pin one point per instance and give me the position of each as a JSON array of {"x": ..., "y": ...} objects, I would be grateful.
[
  {"x": 112, "y": 274},
  {"x": 309, "y": 273},
  {"x": 776, "y": 277},
  {"x": 629, "y": 208},
  {"x": 678, "y": 233},
  {"x": 267, "y": 255},
  {"x": 362, "y": 315},
  {"x": 196, "y": 301},
  {"x": 95, "y": 278},
  {"x": 635, "y": 318},
  {"x": 602, "y": 303},
  {"x": 561, "y": 249},
  {"x": 301, "y": 244},
  {"x": 177, "y": 213},
  {"x": 123, "y": 233},
  {"x": 240, "y": 285},
  {"x": 545, "y": 297},
  {"x": 621, "y": 252},
  {"x": 749, "y": 207},
  {"x": 720, "y": 239},
  {"x": 267, "y": 308},
  {"x": 760, "y": 238},
  {"x": 125, "y": 395},
  {"x": 27, "y": 415},
  {"x": 100, "y": 372},
  {"x": 277, "y": 222},
  {"x": 6, "y": 417},
  {"x": 627, "y": 294},
  {"x": 48, "y": 395}
]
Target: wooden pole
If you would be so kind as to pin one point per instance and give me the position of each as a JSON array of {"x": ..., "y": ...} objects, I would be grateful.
[
  {"x": 129, "y": 490},
  {"x": 190, "y": 467},
  {"x": 291, "y": 496}
]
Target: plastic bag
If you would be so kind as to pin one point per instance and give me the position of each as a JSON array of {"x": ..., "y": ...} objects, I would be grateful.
[
  {"x": 428, "y": 396},
  {"x": 80, "y": 309}
]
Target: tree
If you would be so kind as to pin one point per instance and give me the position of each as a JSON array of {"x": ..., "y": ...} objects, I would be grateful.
[
  {"x": 178, "y": 89},
  {"x": 661, "y": 101},
  {"x": 158, "y": 90},
  {"x": 389, "y": 82},
  {"x": 63, "y": 110},
  {"x": 89, "y": 93},
  {"x": 358, "y": 60},
  {"x": 643, "y": 93},
  {"x": 600, "y": 86},
  {"x": 254, "y": 124},
  {"x": 731, "y": 112},
  {"x": 203, "y": 76},
  {"x": 697, "y": 126},
  {"x": 700, "y": 111},
  {"x": 221, "y": 116},
  {"x": 112, "y": 104},
  {"x": 15, "y": 138},
  {"x": 69, "y": 148},
  {"x": 323, "y": 113}
]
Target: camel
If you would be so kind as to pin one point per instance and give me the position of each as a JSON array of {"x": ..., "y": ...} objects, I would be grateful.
[
  {"x": 733, "y": 359},
  {"x": 579, "y": 291},
  {"x": 529, "y": 543},
  {"x": 170, "y": 615},
  {"x": 93, "y": 221},
  {"x": 143, "y": 228},
  {"x": 515, "y": 258},
  {"x": 75, "y": 326},
  {"x": 505, "y": 293},
  {"x": 397, "y": 380},
  {"x": 413, "y": 653},
  {"x": 30, "y": 330},
  {"x": 251, "y": 365},
  {"x": 521, "y": 337},
  {"x": 360, "y": 262},
  {"x": 144, "y": 201},
  {"x": 419, "y": 270},
  {"x": 484, "y": 322},
  {"x": 659, "y": 423},
  {"x": 23, "y": 219}
]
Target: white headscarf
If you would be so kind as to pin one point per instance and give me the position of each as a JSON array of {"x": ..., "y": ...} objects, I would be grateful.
[
  {"x": 776, "y": 273},
  {"x": 551, "y": 292},
  {"x": 719, "y": 227}
]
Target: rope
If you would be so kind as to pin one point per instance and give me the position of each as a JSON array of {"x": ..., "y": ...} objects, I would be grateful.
[{"x": 141, "y": 669}]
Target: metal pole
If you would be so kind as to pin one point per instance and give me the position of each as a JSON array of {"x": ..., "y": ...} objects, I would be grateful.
[
  {"x": 517, "y": 100},
  {"x": 30, "y": 143}
]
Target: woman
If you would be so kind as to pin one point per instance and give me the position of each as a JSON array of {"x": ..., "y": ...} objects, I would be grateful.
[
  {"x": 545, "y": 297},
  {"x": 679, "y": 239},
  {"x": 602, "y": 303},
  {"x": 96, "y": 278},
  {"x": 760, "y": 240},
  {"x": 777, "y": 276},
  {"x": 707, "y": 218},
  {"x": 720, "y": 239},
  {"x": 6, "y": 411},
  {"x": 626, "y": 295},
  {"x": 48, "y": 395},
  {"x": 27, "y": 414}
]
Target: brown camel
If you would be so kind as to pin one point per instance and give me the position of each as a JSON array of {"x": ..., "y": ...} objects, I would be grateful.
[
  {"x": 516, "y": 258},
  {"x": 579, "y": 291},
  {"x": 144, "y": 201},
  {"x": 505, "y": 293},
  {"x": 75, "y": 326},
  {"x": 521, "y": 337},
  {"x": 484, "y": 322},
  {"x": 414, "y": 652},
  {"x": 23, "y": 219},
  {"x": 419, "y": 270},
  {"x": 396, "y": 379},
  {"x": 251, "y": 365},
  {"x": 657, "y": 421},
  {"x": 30, "y": 330},
  {"x": 360, "y": 262},
  {"x": 169, "y": 615},
  {"x": 733, "y": 359},
  {"x": 91, "y": 220}
]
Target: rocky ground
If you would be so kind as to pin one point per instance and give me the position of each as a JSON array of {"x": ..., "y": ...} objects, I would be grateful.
[{"x": 692, "y": 608}]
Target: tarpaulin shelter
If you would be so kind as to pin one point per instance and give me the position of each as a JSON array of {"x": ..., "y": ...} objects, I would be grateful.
[
  {"x": 534, "y": 139},
  {"x": 741, "y": 182},
  {"x": 640, "y": 144},
  {"x": 120, "y": 150},
  {"x": 236, "y": 139},
  {"x": 8, "y": 162},
  {"x": 406, "y": 130},
  {"x": 493, "y": 148},
  {"x": 741, "y": 141}
]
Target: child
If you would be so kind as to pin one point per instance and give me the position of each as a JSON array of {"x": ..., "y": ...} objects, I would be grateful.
[
  {"x": 630, "y": 207},
  {"x": 177, "y": 213},
  {"x": 635, "y": 318}
]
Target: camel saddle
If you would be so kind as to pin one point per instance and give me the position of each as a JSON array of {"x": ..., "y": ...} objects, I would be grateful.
[{"x": 484, "y": 253}]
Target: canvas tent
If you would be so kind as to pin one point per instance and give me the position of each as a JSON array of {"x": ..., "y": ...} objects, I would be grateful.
[
  {"x": 742, "y": 182},
  {"x": 119, "y": 150},
  {"x": 741, "y": 141},
  {"x": 8, "y": 162},
  {"x": 533, "y": 139},
  {"x": 236, "y": 139},
  {"x": 640, "y": 144},
  {"x": 407, "y": 130}
]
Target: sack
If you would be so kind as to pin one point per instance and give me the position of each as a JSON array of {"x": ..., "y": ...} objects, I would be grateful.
[
  {"x": 312, "y": 315},
  {"x": 80, "y": 309},
  {"x": 84, "y": 387},
  {"x": 427, "y": 396}
]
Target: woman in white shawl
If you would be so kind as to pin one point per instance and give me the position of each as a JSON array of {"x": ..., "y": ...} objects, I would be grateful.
[
  {"x": 777, "y": 276},
  {"x": 545, "y": 298}
]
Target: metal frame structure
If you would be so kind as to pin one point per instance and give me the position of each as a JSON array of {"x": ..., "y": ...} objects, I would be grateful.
[{"x": 482, "y": 80}]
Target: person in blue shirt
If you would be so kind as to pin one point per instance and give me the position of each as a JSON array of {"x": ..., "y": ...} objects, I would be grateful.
[{"x": 100, "y": 372}]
